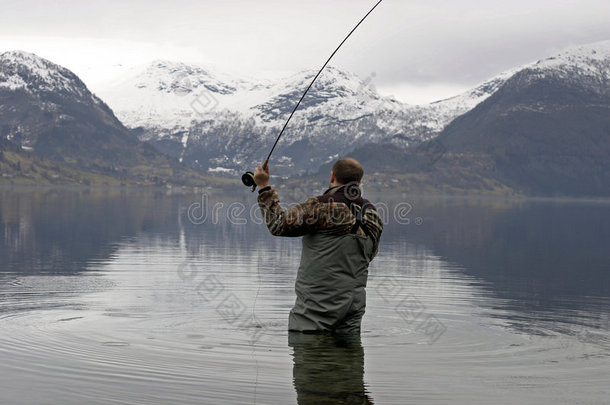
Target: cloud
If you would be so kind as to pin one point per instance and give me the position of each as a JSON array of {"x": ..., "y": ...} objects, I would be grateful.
[{"x": 408, "y": 44}]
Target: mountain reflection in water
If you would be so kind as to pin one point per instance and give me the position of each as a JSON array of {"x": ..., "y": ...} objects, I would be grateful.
[{"x": 94, "y": 307}]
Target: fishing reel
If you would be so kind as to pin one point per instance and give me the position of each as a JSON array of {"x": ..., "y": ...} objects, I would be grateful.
[{"x": 248, "y": 179}]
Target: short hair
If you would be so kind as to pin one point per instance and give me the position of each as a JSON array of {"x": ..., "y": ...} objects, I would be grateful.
[{"x": 348, "y": 170}]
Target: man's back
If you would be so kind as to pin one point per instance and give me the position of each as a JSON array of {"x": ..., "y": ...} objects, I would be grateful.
[
  {"x": 341, "y": 234},
  {"x": 331, "y": 283}
]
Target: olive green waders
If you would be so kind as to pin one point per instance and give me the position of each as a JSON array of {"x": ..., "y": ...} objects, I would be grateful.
[{"x": 330, "y": 285}]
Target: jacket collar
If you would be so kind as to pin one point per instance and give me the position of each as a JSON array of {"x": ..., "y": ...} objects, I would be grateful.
[{"x": 335, "y": 190}]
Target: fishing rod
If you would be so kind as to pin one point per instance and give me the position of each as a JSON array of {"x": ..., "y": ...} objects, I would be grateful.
[{"x": 248, "y": 177}]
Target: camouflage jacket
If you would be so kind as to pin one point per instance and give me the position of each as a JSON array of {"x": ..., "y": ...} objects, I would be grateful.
[{"x": 333, "y": 213}]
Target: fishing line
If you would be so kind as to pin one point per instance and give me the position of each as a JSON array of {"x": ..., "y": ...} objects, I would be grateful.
[
  {"x": 248, "y": 177},
  {"x": 255, "y": 325}
]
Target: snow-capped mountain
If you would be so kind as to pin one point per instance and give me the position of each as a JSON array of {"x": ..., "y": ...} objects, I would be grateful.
[
  {"x": 38, "y": 97},
  {"x": 48, "y": 113},
  {"x": 534, "y": 125},
  {"x": 573, "y": 64},
  {"x": 576, "y": 63},
  {"x": 28, "y": 72},
  {"x": 546, "y": 129},
  {"x": 163, "y": 95},
  {"x": 173, "y": 95},
  {"x": 212, "y": 121}
]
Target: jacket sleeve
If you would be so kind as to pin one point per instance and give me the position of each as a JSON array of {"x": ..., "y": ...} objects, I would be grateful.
[
  {"x": 305, "y": 218},
  {"x": 374, "y": 223}
]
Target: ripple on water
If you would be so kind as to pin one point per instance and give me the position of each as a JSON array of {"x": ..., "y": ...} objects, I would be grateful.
[
  {"x": 146, "y": 336},
  {"x": 115, "y": 344}
]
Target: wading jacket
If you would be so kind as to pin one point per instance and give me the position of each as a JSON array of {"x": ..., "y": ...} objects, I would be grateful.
[{"x": 341, "y": 232}]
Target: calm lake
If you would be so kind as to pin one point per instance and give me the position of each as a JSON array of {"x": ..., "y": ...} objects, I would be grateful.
[{"x": 148, "y": 297}]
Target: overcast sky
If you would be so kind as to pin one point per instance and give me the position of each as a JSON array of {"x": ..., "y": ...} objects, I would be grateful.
[{"x": 418, "y": 51}]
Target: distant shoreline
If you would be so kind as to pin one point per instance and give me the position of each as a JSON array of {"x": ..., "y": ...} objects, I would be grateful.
[{"x": 386, "y": 195}]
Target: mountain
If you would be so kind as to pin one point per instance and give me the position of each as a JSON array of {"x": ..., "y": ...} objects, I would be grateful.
[
  {"x": 539, "y": 129},
  {"x": 546, "y": 130},
  {"x": 214, "y": 122},
  {"x": 47, "y": 112},
  {"x": 47, "y": 108}
]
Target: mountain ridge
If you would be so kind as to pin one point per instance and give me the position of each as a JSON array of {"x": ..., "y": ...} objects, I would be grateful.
[
  {"x": 55, "y": 130},
  {"x": 519, "y": 132},
  {"x": 340, "y": 112},
  {"x": 547, "y": 129}
]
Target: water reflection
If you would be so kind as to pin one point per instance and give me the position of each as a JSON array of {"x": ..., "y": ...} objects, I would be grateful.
[
  {"x": 328, "y": 369},
  {"x": 89, "y": 279},
  {"x": 61, "y": 231},
  {"x": 540, "y": 260},
  {"x": 534, "y": 258}
]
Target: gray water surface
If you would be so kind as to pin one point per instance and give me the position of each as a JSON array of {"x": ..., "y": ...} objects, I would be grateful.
[{"x": 122, "y": 297}]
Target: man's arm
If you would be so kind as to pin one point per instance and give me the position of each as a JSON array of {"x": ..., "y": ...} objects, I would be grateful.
[
  {"x": 301, "y": 219},
  {"x": 298, "y": 220}
]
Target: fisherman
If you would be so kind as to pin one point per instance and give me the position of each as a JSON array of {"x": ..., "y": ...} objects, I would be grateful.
[{"x": 341, "y": 232}]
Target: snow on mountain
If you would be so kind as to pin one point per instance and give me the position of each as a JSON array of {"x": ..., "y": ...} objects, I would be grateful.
[
  {"x": 210, "y": 119},
  {"x": 586, "y": 67},
  {"x": 182, "y": 108},
  {"x": 164, "y": 95},
  {"x": 438, "y": 114},
  {"x": 170, "y": 96},
  {"x": 591, "y": 60},
  {"x": 46, "y": 108},
  {"x": 336, "y": 93},
  {"x": 545, "y": 131},
  {"x": 27, "y": 71},
  {"x": 173, "y": 94},
  {"x": 38, "y": 96}
]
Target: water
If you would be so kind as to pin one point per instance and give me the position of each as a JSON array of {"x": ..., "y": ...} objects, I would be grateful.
[{"x": 118, "y": 297}]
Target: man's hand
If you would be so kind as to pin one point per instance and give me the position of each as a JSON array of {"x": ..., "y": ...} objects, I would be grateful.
[{"x": 261, "y": 176}]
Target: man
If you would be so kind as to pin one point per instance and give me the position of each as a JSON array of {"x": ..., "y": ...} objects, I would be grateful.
[{"x": 341, "y": 232}]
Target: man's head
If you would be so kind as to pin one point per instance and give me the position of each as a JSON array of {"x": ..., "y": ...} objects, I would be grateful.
[{"x": 345, "y": 171}]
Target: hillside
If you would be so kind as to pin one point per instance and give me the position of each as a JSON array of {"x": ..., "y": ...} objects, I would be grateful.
[
  {"x": 54, "y": 130},
  {"x": 547, "y": 129},
  {"x": 542, "y": 129},
  {"x": 216, "y": 123}
]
